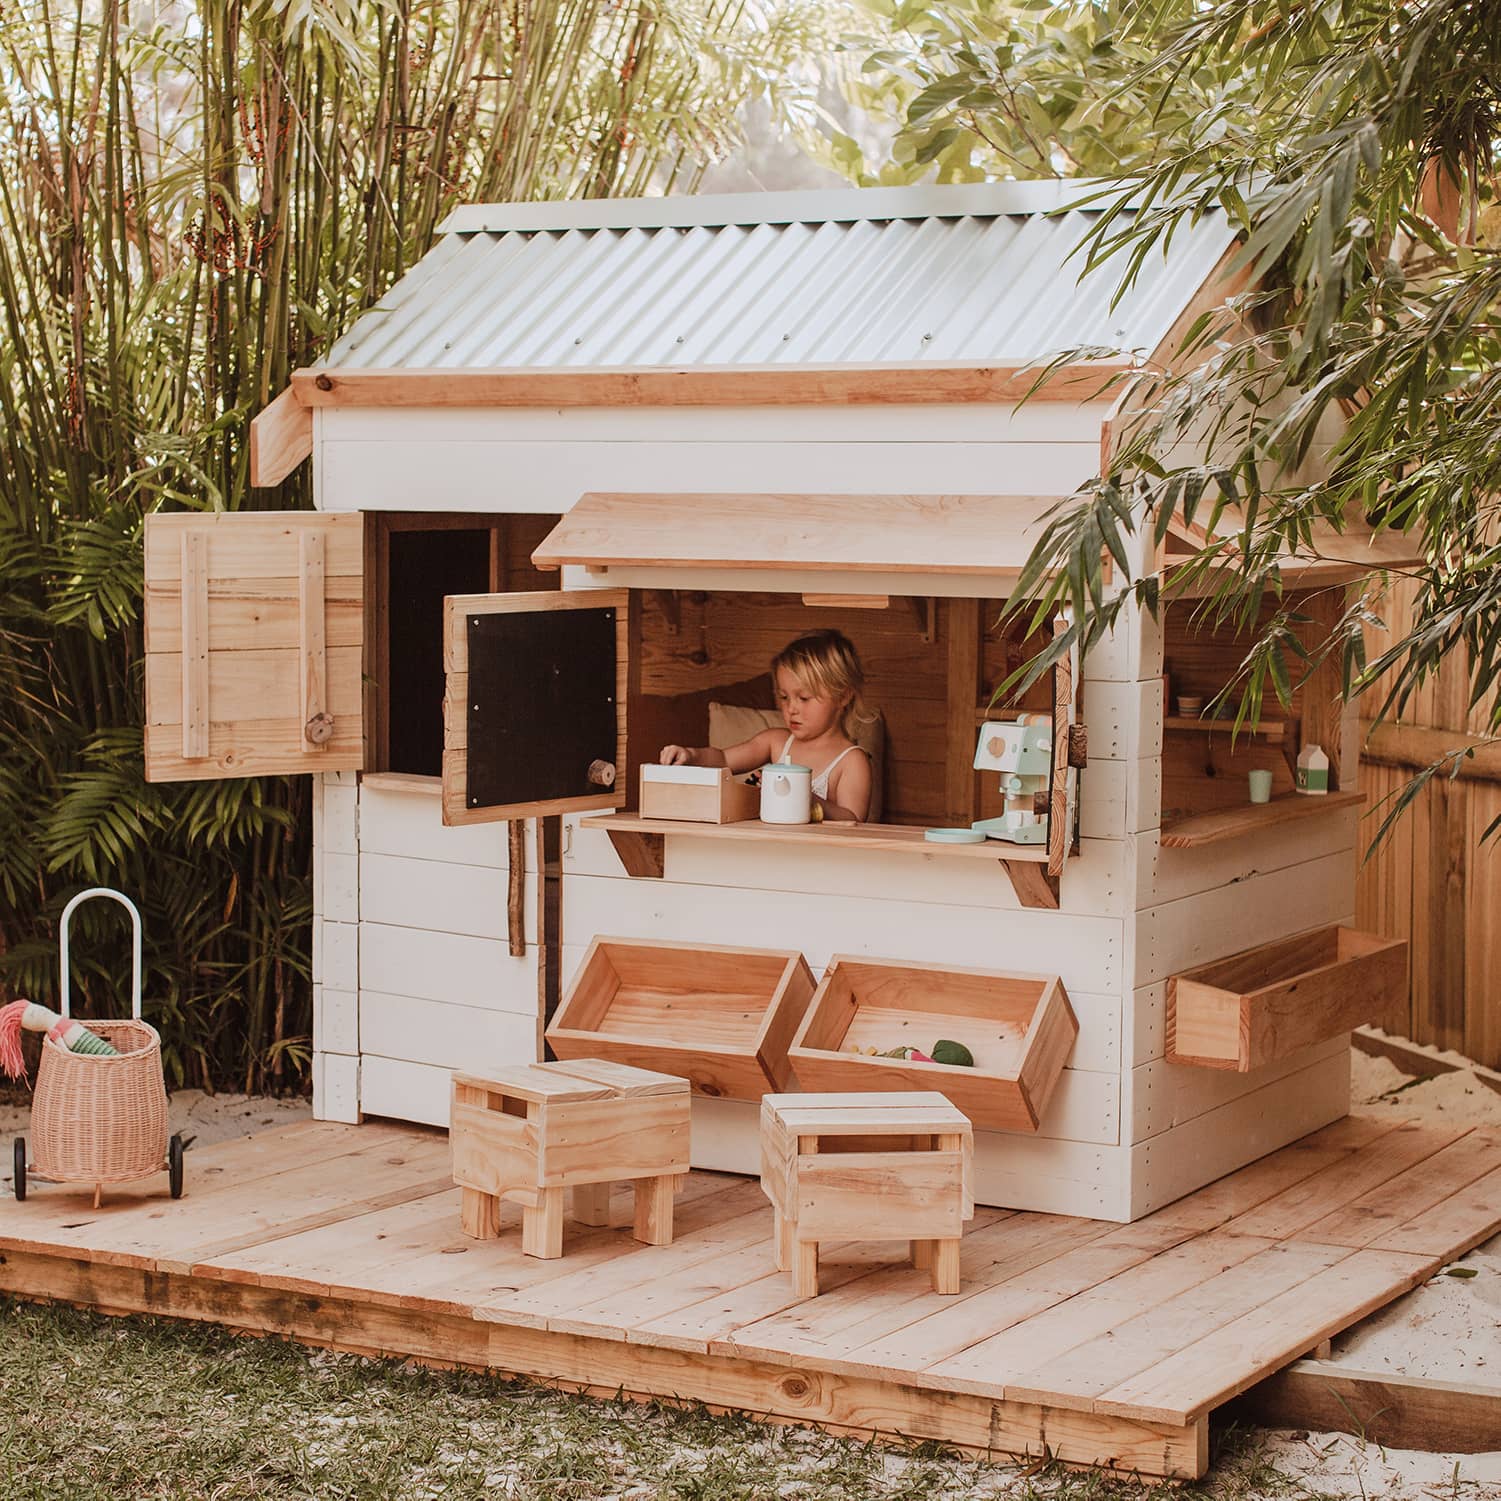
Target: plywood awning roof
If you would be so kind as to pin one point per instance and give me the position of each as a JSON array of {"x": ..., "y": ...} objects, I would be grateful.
[{"x": 888, "y": 534}]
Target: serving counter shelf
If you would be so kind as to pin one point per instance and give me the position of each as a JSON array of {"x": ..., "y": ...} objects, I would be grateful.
[{"x": 640, "y": 844}]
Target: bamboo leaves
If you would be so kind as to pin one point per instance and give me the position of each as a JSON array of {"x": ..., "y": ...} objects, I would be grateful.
[{"x": 193, "y": 202}]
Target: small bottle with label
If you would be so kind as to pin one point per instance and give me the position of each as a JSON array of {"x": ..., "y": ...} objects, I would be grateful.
[{"x": 1313, "y": 771}]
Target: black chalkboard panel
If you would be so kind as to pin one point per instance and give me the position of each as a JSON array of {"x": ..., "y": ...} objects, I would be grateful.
[{"x": 541, "y": 704}]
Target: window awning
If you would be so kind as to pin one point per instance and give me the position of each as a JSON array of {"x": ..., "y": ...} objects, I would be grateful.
[{"x": 892, "y": 535}]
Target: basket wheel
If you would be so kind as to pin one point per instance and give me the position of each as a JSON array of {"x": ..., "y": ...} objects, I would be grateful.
[
  {"x": 174, "y": 1166},
  {"x": 19, "y": 1181}
]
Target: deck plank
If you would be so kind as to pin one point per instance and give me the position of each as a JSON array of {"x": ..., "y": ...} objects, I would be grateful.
[
  {"x": 737, "y": 1219},
  {"x": 416, "y": 1256},
  {"x": 285, "y": 1186},
  {"x": 743, "y": 1288},
  {"x": 1190, "y": 1381},
  {"x": 1452, "y": 1227},
  {"x": 1242, "y": 1191},
  {"x": 824, "y": 1328},
  {"x": 1340, "y": 1183},
  {"x": 1023, "y": 1303},
  {"x": 1410, "y": 1195},
  {"x": 1023, "y": 1353}
]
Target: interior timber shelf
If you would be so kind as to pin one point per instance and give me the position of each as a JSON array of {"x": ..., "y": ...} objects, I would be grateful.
[
  {"x": 901, "y": 839},
  {"x": 1273, "y": 731},
  {"x": 1231, "y": 823}
]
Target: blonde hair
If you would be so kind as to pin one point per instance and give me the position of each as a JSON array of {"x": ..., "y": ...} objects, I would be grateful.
[{"x": 827, "y": 664}]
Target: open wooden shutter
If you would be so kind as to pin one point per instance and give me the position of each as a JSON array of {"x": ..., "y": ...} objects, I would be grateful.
[
  {"x": 254, "y": 644},
  {"x": 534, "y": 714}
]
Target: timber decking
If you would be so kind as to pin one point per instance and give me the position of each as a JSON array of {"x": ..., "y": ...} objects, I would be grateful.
[{"x": 1097, "y": 1343}]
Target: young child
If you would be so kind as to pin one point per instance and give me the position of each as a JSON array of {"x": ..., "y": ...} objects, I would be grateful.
[{"x": 818, "y": 681}]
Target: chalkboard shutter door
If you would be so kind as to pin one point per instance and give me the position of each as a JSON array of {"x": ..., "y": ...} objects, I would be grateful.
[
  {"x": 255, "y": 624},
  {"x": 534, "y": 711}
]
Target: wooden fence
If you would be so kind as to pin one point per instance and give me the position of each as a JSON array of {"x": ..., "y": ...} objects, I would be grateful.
[{"x": 1432, "y": 881}]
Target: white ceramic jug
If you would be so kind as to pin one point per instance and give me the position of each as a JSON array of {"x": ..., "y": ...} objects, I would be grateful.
[{"x": 786, "y": 793}]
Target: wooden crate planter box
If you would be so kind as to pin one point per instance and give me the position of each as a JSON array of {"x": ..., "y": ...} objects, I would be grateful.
[
  {"x": 1268, "y": 1002},
  {"x": 722, "y": 1018},
  {"x": 697, "y": 794},
  {"x": 1019, "y": 1028}
]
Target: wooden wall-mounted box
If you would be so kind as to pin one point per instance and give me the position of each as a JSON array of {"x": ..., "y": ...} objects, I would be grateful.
[
  {"x": 1268, "y": 1002},
  {"x": 697, "y": 794},
  {"x": 1019, "y": 1029},
  {"x": 722, "y": 1018}
]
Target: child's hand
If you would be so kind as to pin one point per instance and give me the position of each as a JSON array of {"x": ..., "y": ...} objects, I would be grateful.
[{"x": 676, "y": 755}]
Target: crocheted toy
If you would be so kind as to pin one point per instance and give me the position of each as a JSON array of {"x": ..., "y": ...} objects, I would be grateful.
[{"x": 34, "y": 1018}]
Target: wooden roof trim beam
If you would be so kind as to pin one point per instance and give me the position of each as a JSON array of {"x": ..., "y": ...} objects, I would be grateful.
[
  {"x": 706, "y": 386},
  {"x": 281, "y": 437}
]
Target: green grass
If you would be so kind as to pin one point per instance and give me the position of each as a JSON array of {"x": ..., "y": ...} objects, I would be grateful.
[{"x": 100, "y": 1409}]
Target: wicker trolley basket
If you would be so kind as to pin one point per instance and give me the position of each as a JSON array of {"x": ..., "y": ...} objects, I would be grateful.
[{"x": 101, "y": 1118}]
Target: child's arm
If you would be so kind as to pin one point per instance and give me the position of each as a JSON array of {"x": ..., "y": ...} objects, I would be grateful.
[
  {"x": 746, "y": 756},
  {"x": 849, "y": 791}
]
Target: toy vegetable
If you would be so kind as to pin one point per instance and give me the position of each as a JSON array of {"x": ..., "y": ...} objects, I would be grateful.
[
  {"x": 945, "y": 1050},
  {"x": 34, "y": 1018}
]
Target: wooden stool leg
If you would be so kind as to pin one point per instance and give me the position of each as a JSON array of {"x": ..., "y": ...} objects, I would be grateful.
[
  {"x": 654, "y": 1210},
  {"x": 945, "y": 1266},
  {"x": 479, "y": 1214},
  {"x": 922, "y": 1254},
  {"x": 591, "y": 1203},
  {"x": 781, "y": 1229},
  {"x": 805, "y": 1268},
  {"x": 542, "y": 1227}
]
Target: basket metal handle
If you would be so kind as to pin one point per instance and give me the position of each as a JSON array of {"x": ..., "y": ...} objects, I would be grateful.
[{"x": 135, "y": 951}]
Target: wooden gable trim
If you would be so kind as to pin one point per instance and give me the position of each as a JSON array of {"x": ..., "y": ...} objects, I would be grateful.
[
  {"x": 703, "y": 386},
  {"x": 281, "y": 437},
  {"x": 1221, "y": 284}
]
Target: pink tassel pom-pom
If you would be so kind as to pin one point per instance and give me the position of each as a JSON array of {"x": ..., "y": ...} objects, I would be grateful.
[{"x": 12, "y": 1060}]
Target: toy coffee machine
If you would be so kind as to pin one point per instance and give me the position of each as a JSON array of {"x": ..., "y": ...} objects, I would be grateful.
[{"x": 1020, "y": 748}]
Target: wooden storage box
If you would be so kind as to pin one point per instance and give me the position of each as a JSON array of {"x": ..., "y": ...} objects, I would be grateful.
[
  {"x": 1019, "y": 1028},
  {"x": 722, "y": 1018},
  {"x": 697, "y": 794},
  {"x": 1265, "y": 1003}
]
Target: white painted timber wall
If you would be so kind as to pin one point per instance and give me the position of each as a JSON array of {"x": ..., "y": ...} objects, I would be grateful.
[
  {"x": 1188, "y": 1126},
  {"x": 412, "y": 972},
  {"x": 436, "y": 985},
  {"x": 428, "y": 459}
]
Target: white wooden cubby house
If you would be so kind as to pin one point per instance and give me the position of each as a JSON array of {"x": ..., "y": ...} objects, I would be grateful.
[{"x": 744, "y": 417}]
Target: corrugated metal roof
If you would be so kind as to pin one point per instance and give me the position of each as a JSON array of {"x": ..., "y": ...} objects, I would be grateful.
[{"x": 967, "y": 274}]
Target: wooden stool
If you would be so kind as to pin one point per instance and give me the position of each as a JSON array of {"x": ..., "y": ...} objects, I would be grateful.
[
  {"x": 529, "y": 1132},
  {"x": 867, "y": 1167}
]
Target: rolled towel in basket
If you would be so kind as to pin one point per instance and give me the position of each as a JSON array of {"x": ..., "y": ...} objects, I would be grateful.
[{"x": 63, "y": 1030}]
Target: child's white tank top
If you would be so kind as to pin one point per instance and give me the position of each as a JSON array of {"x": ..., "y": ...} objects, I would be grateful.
[{"x": 821, "y": 781}]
